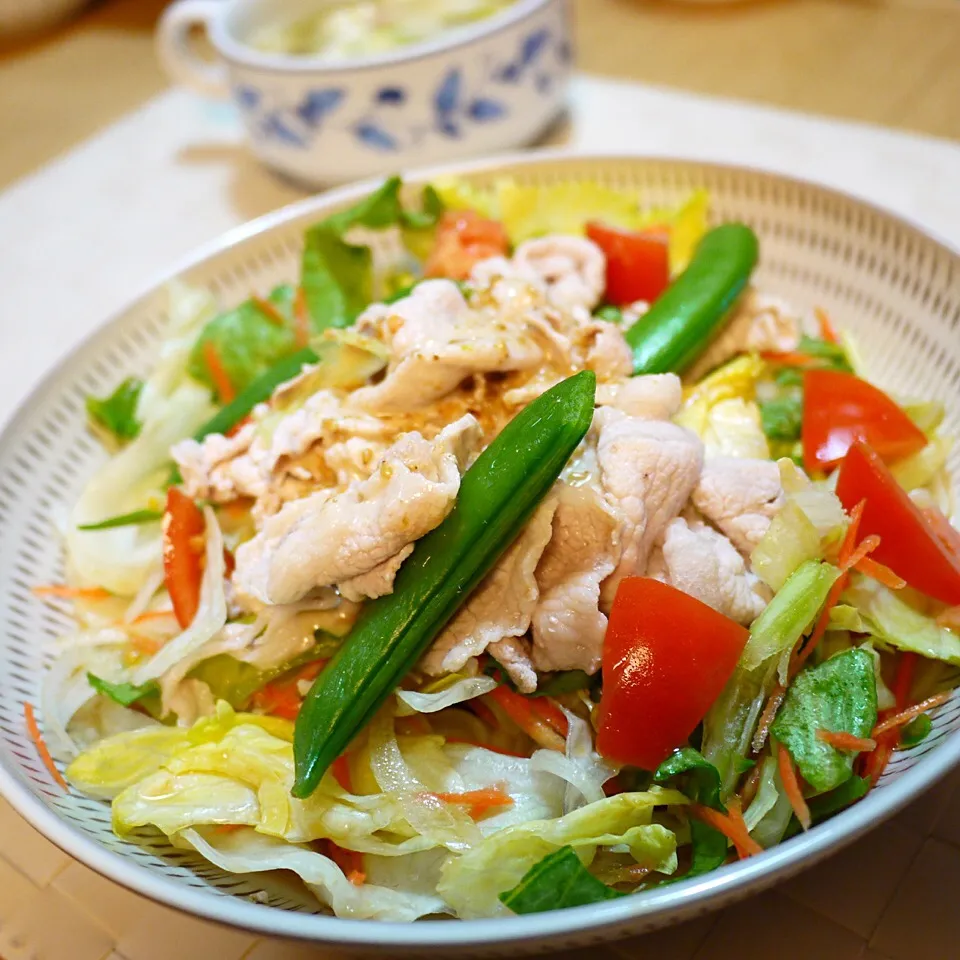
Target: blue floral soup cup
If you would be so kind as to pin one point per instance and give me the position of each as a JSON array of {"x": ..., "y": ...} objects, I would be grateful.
[{"x": 490, "y": 86}]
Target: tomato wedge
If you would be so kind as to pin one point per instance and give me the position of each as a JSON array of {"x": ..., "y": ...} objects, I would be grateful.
[
  {"x": 638, "y": 264},
  {"x": 183, "y": 529},
  {"x": 666, "y": 658},
  {"x": 923, "y": 549},
  {"x": 464, "y": 238},
  {"x": 839, "y": 409}
]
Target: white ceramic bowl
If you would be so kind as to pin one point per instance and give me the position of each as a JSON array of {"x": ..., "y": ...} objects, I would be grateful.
[
  {"x": 895, "y": 288},
  {"x": 494, "y": 85}
]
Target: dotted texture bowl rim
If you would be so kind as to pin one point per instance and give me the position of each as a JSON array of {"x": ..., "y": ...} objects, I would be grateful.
[{"x": 25, "y": 785}]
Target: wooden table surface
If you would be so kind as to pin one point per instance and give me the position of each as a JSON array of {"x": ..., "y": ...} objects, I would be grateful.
[{"x": 892, "y": 62}]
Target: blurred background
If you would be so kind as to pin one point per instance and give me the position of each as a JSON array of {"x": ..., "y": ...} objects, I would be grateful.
[{"x": 890, "y": 62}]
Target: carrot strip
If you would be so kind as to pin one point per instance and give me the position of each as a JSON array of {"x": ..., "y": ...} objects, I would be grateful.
[
  {"x": 218, "y": 373},
  {"x": 349, "y": 861},
  {"x": 880, "y": 573},
  {"x": 905, "y": 716},
  {"x": 301, "y": 318},
  {"x": 850, "y": 537},
  {"x": 341, "y": 771},
  {"x": 876, "y": 762},
  {"x": 767, "y": 717},
  {"x": 827, "y": 330},
  {"x": 903, "y": 681},
  {"x": 850, "y": 554},
  {"x": 37, "y": 737},
  {"x": 518, "y": 709},
  {"x": 238, "y": 426},
  {"x": 71, "y": 593},
  {"x": 791, "y": 786},
  {"x": 789, "y": 358},
  {"x": 551, "y": 714},
  {"x": 731, "y": 826},
  {"x": 487, "y": 746},
  {"x": 480, "y": 802},
  {"x": 151, "y": 615},
  {"x": 145, "y": 645},
  {"x": 270, "y": 311},
  {"x": 481, "y": 710},
  {"x": 847, "y": 741},
  {"x": 228, "y": 827}
]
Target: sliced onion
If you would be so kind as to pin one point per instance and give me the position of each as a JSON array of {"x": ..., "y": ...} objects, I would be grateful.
[{"x": 466, "y": 689}]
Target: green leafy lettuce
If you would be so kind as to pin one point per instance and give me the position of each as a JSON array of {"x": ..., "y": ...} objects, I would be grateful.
[
  {"x": 473, "y": 881},
  {"x": 558, "y": 881},
  {"x": 117, "y": 412},
  {"x": 838, "y": 695}
]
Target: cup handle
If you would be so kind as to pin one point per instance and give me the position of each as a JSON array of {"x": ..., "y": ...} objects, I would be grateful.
[{"x": 178, "y": 57}]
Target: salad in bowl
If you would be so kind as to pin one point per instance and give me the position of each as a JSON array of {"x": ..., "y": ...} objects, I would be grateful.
[{"x": 542, "y": 562}]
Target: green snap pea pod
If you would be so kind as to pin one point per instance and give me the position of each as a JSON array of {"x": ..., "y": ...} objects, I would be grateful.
[
  {"x": 497, "y": 496},
  {"x": 681, "y": 323}
]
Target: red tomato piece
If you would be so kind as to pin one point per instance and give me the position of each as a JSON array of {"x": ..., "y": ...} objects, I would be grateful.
[
  {"x": 666, "y": 658},
  {"x": 183, "y": 530},
  {"x": 638, "y": 264},
  {"x": 463, "y": 239},
  {"x": 839, "y": 409},
  {"x": 924, "y": 550}
]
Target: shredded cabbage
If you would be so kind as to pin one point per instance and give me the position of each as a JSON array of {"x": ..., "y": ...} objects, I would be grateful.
[
  {"x": 459, "y": 692},
  {"x": 894, "y": 623},
  {"x": 790, "y": 540},
  {"x": 471, "y": 882},
  {"x": 245, "y": 851}
]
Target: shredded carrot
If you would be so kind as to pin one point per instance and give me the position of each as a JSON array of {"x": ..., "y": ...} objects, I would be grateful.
[
  {"x": 228, "y": 827},
  {"x": 341, "y": 771},
  {"x": 282, "y": 697},
  {"x": 827, "y": 331},
  {"x": 873, "y": 764},
  {"x": 270, "y": 311},
  {"x": 731, "y": 826},
  {"x": 950, "y": 618},
  {"x": 911, "y": 713},
  {"x": 480, "y": 802},
  {"x": 847, "y": 741},
  {"x": 218, "y": 373},
  {"x": 767, "y": 717},
  {"x": 238, "y": 426},
  {"x": 487, "y": 746},
  {"x": 551, "y": 714},
  {"x": 903, "y": 681},
  {"x": 518, "y": 709},
  {"x": 750, "y": 786},
  {"x": 791, "y": 786},
  {"x": 145, "y": 645},
  {"x": 789, "y": 358},
  {"x": 349, "y": 861},
  {"x": 850, "y": 554},
  {"x": 301, "y": 318},
  {"x": 880, "y": 573},
  {"x": 151, "y": 615},
  {"x": 481, "y": 710},
  {"x": 37, "y": 737},
  {"x": 71, "y": 593},
  {"x": 853, "y": 529}
]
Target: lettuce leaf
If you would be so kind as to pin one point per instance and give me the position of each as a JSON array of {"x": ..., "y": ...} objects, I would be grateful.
[
  {"x": 558, "y": 881},
  {"x": 247, "y": 341},
  {"x": 790, "y": 613},
  {"x": 471, "y": 882},
  {"x": 790, "y": 541},
  {"x": 839, "y": 695},
  {"x": 118, "y": 411},
  {"x": 894, "y": 623},
  {"x": 126, "y": 694}
]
